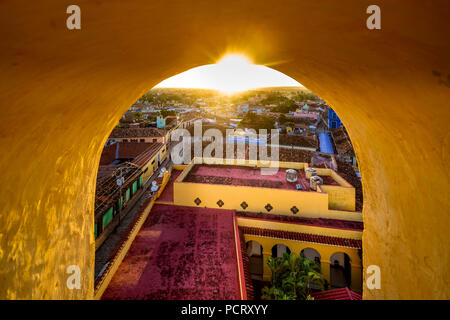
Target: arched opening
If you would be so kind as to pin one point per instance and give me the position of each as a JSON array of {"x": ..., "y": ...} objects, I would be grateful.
[
  {"x": 48, "y": 205},
  {"x": 144, "y": 135},
  {"x": 312, "y": 254},
  {"x": 255, "y": 255},
  {"x": 340, "y": 270},
  {"x": 279, "y": 249}
]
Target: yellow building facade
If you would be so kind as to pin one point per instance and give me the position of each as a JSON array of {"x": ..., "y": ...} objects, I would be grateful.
[
  {"x": 329, "y": 242},
  {"x": 152, "y": 165},
  {"x": 326, "y": 251},
  {"x": 328, "y": 201}
]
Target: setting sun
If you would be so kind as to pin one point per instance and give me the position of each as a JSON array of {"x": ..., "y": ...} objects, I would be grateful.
[{"x": 233, "y": 73}]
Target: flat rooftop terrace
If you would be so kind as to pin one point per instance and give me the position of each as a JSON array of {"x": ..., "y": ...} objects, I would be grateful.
[
  {"x": 248, "y": 176},
  {"x": 180, "y": 253}
]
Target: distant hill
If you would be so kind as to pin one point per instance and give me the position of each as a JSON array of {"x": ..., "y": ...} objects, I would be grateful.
[
  {"x": 209, "y": 92},
  {"x": 194, "y": 96}
]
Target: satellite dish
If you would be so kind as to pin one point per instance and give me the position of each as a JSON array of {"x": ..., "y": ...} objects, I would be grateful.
[{"x": 119, "y": 181}]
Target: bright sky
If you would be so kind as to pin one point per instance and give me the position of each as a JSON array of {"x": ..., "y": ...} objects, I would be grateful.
[{"x": 231, "y": 74}]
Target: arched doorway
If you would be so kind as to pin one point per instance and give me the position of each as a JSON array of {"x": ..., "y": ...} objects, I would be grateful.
[
  {"x": 312, "y": 254},
  {"x": 340, "y": 270},
  {"x": 279, "y": 249},
  {"x": 255, "y": 255}
]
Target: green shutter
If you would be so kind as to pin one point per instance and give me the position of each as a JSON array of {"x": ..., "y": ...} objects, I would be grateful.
[
  {"x": 140, "y": 181},
  {"x": 95, "y": 231},
  {"x": 127, "y": 195},
  {"x": 135, "y": 186},
  {"x": 107, "y": 217}
]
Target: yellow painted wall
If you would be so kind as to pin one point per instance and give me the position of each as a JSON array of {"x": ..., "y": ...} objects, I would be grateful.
[
  {"x": 152, "y": 167},
  {"x": 64, "y": 91},
  {"x": 310, "y": 203},
  {"x": 340, "y": 198},
  {"x": 325, "y": 251},
  {"x": 163, "y": 152}
]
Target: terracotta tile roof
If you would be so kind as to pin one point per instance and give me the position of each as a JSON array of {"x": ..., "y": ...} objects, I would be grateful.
[
  {"x": 303, "y": 122},
  {"x": 142, "y": 159},
  {"x": 305, "y": 237},
  {"x": 295, "y": 155},
  {"x": 298, "y": 140},
  {"x": 206, "y": 126},
  {"x": 137, "y": 132},
  {"x": 285, "y": 154},
  {"x": 336, "y": 294},
  {"x": 342, "y": 141},
  {"x": 318, "y": 222},
  {"x": 246, "y": 176},
  {"x": 108, "y": 155},
  {"x": 128, "y": 150}
]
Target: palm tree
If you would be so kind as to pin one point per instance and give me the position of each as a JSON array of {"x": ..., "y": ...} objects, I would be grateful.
[
  {"x": 273, "y": 293},
  {"x": 275, "y": 267},
  {"x": 293, "y": 277},
  {"x": 310, "y": 276}
]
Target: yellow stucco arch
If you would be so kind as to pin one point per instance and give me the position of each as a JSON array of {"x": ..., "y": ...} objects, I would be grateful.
[{"x": 63, "y": 91}]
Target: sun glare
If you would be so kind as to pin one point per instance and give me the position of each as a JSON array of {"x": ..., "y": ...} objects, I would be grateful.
[{"x": 233, "y": 73}]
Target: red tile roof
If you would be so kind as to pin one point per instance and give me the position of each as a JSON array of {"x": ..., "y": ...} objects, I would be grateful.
[
  {"x": 139, "y": 151},
  {"x": 342, "y": 141},
  {"x": 108, "y": 155},
  {"x": 336, "y": 294},
  {"x": 180, "y": 253},
  {"x": 308, "y": 141},
  {"x": 318, "y": 222},
  {"x": 247, "y": 176},
  {"x": 305, "y": 237},
  {"x": 142, "y": 159},
  {"x": 295, "y": 155},
  {"x": 137, "y": 132}
]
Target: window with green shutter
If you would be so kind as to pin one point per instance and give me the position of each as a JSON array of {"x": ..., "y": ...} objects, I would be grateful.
[
  {"x": 135, "y": 186},
  {"x": 95, "y": 231},
  {"x": 119, "y": 204},
  {"x": 140, "y": 181},
  {"x": 107, "y": 217},
  {"x": 127, "y": 195}
]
